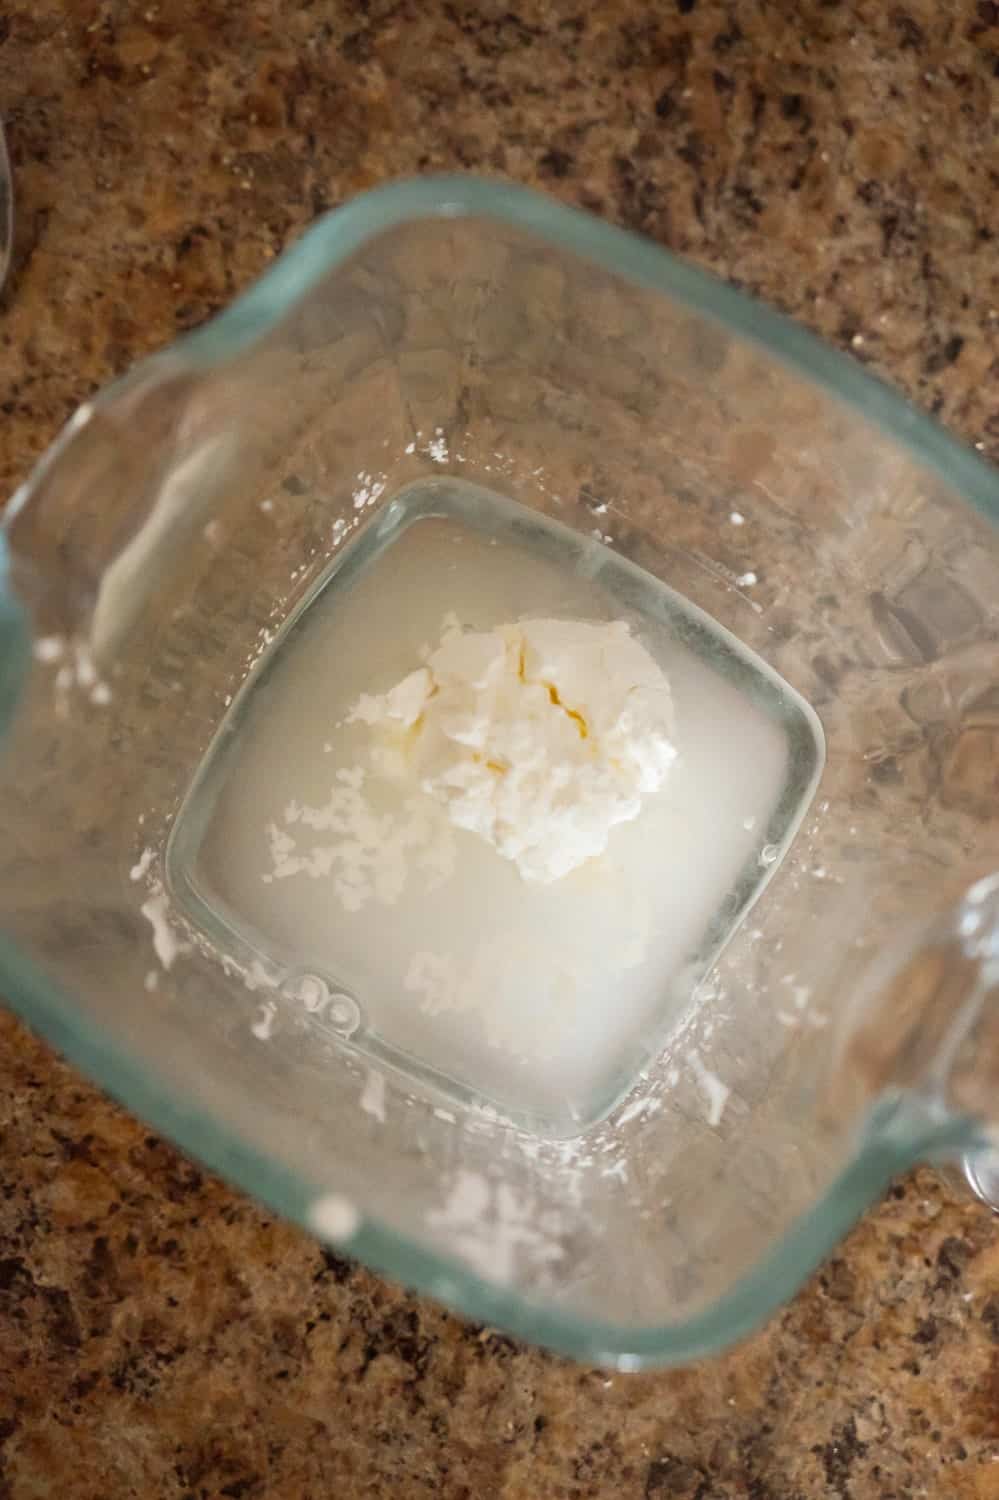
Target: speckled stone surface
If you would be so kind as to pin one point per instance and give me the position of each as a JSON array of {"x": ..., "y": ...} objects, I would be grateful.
[{"x": 160, "y": 1336}]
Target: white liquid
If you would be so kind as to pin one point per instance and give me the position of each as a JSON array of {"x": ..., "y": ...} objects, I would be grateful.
[{"x": 541, "y": 999}]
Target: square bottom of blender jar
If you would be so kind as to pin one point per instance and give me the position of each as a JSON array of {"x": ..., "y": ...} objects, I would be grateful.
[{"x": 540, "y": 1002}]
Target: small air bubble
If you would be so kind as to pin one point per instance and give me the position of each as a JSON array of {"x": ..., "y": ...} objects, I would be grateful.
[
  {"x": 312, "y": 992},
  {"x": 768, "y": 854},
  {"x": 344, "y": 1013}
]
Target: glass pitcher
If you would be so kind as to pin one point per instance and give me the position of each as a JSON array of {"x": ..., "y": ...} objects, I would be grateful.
[{"x": 454, "y": 329}]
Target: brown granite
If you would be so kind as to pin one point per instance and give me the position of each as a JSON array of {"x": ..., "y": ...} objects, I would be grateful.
[{"x": 160, "y": 1336}]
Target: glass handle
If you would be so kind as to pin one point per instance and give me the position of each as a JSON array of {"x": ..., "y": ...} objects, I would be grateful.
[{"x": 925, "y": 1022}]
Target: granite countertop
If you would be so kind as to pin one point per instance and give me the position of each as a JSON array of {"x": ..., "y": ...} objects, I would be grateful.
[{"x": 161, "y": 1336}]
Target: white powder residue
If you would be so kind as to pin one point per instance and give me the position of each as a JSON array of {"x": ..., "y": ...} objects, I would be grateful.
[
  {"x": 618, "y": 1169},
  {"x": 77, "y": 671},
  {"x": 435, "y": 977},
  {"x": 368, "y": 491},
  {"x": 256, "y": 977},
  {"x": 632, "y": 1111},
  {"x": 540, "y": 737},
  {"x": 367, "y": 855},
  {"x": 141, "y": 869},
  {"x": 86, "y": 672},
  {"x": 334, "y": 1217},
  {"x": 156, "y": 911},
  {"x": 492, "y": 1229},
  {"x": 373, "y": 1096},
  {"x": 437, "y": 448},
  {"x": 263, "y": 1026},
  {"x": 716, "y": 1092},
  {"x": 49, "y": 648}
]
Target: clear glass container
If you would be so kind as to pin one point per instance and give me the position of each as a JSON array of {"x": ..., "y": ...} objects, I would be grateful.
[{"x": 475, "y": 334}]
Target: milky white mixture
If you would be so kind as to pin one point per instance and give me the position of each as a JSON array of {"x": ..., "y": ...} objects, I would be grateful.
[
  {"x": 539, "y": 736},
  {"x": 507, "y": 837}
]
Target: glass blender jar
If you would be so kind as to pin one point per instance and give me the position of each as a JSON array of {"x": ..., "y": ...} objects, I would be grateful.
[{"x": 446, "y": 331}]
